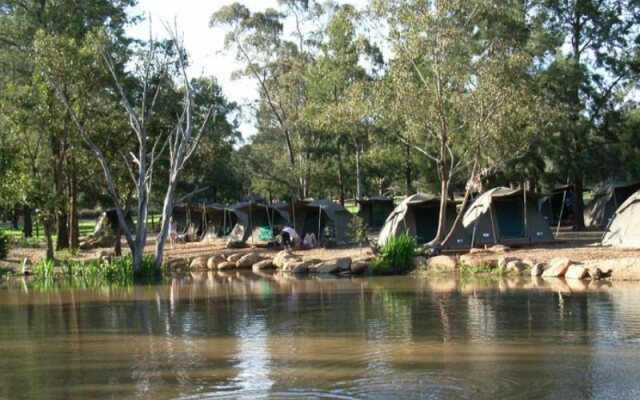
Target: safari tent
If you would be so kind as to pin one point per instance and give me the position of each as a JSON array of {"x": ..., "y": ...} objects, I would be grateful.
[
  {"x": 553, "y": 206},
  {"x": 375, "y": 210},
  {"x": 220, "y": 220},
  {"x": 506, "y": 216},
  {"x": 189, "y": 218},
  {"x": 606, "y": 201},
  {"x": 326, "y": 219},
  {"x": 624, "y": 228},
  {"x": 418, "y": 215},
  {"x": 255, "y": 222}
]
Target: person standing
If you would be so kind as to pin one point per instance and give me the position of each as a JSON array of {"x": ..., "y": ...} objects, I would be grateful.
[{"x": 289, "y": 237}]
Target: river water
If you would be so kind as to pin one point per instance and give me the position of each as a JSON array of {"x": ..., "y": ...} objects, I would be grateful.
[{"x": 234, "y": 336}]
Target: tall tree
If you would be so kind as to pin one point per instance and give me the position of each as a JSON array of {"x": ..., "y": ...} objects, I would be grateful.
[
  {"x": 596, "y": 42},
  {"x": 181, "y": 141},
  {"x": 462, "y": 81}
]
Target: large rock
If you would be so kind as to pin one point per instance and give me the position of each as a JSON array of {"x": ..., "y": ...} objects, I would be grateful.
[
  {"x": 327, "y": 267},
  {"x": 576, "y": 272},
  {"x": 235, "y": 257},
  {"x": 301, "y": 267},
  {"x": 213, "y": 261},
  {"x": 248, "y": 260},
  {"x": 359, "y": 267},
  {"x": 557, "y": 268},
  {"x": 504, "y": 261},
  {"x": 442, "y": 263},
  {"x": 283, "y": 258},
  {"x": 516, "y": 266},
  {"x": 198, "y": 263},
  {"x": 264, "y": 264},
  {"x": 420, "y": 262},
  {"x": 343, "y": 263},
  {"x": 499, "y": 248},
  {"x": 537, "y": 269},
  {"x": 226, "y": 265}
]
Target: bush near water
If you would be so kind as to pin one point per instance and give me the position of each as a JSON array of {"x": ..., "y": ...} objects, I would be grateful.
[{"x": 396, "y": 257}]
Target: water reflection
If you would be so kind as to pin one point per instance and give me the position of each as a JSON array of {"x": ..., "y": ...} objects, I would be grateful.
[{"x": 240, "y": 335}]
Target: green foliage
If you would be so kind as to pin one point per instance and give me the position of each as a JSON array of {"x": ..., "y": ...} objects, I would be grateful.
[
  {"x": 480, "y": 269},
  {"x": 45, "y": 269},
  {"x": 96, "y": 273},
  {"x": 396, "y": 257},
  {"x": 4, "y": 245}
]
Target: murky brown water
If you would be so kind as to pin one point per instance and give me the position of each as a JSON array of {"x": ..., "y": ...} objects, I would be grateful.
[{"x": 244, "y": 336}]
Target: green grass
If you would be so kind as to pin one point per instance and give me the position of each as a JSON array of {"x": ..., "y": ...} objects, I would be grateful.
[{"x": 86, "y": 227}]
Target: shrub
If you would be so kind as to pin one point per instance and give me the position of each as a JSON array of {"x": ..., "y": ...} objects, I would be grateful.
[
  {"x": 396, "y": 257},
  {"x": 4, "y": 245}
]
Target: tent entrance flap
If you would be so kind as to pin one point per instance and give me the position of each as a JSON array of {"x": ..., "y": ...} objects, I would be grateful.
[
  {"x": 378, "y": 215},
  {"x": 426, "y": 220},
  {"x": 311, "y": 222},
  {"x": 510, "y": 218}
]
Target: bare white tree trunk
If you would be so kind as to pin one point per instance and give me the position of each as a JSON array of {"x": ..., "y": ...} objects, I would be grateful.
[{"x": 181, "y": 143}]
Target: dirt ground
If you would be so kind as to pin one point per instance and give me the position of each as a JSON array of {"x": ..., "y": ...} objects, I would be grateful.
[{"x": 578, "y": 247}]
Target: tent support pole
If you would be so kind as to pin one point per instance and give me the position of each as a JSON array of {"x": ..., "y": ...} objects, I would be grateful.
[
  {"x": 526, "y": 227},
  {"x": 493, "y": 225},
  {"x": 319, "y": 220},
  {"x": 564, "y": 198}
]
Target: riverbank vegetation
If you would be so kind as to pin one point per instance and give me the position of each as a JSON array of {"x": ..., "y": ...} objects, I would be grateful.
[{"x": 447, "y": 97}]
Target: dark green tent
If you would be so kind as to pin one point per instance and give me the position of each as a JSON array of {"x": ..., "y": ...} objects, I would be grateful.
[
  {"x": 418, "y": 216},
  {"x": 506, "y": 216},
  {"x": 375, "y": 210}
]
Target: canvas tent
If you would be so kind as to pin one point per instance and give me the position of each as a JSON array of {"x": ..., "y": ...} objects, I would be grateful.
[
  {"x": 326, "y": 219},
  {"x": 375, "y": 210},
  {"x": 507, "y": 216},
  {"x": 606, "y": 201},
  {"x": 189, "y": 219},
  {"x": 624, "y": 228},
  {"x": 418, "y": 215},
  {"x": 255, "y": 222},
  {"x": 220, "y": 220},
  {"x": 553, "y": 206}
]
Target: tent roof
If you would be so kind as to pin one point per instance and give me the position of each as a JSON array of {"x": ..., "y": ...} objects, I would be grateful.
[
  {"x": 420, "y": 198},
  {"x": 609, "y": 187}
]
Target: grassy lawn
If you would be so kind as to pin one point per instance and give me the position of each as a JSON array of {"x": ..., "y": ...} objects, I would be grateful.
[{"x": 86, "y": 227}]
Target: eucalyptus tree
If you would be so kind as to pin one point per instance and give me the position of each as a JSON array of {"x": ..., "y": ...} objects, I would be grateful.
[
  {"x": 49, "y": 145},
  {"x": 460, "y": 77},
  {"x": 180, "y": 141},
  {"x": 594, "y": 67},
  {"x": 278, "y": 64},
  {"x": 338, "y": 87}
]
